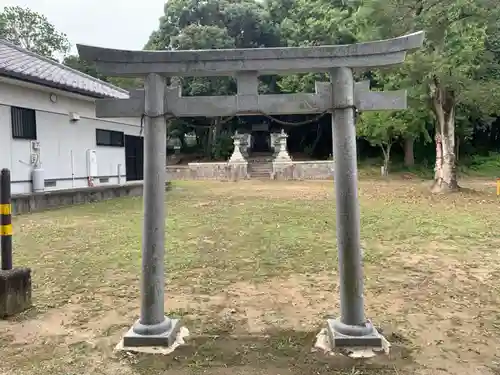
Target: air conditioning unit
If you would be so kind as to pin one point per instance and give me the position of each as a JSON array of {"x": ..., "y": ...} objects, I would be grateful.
[{"x": 73, "y": 117}]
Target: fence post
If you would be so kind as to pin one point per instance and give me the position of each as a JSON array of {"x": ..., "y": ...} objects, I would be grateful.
[
  {"x": 5, "y": 220},
  {"x": 15, "y": 283}
]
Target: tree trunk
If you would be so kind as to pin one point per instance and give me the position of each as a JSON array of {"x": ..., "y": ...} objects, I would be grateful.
[
  {"x": 217, "y": 127},
  {"x": 409, "y": 154},
  {"x": 209, "y": 142},
  {"x": 386, "y": 150},
  {"x": 445, "y": 172}
]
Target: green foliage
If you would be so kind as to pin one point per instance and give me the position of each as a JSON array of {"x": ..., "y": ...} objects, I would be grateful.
[
  {"x": 381, "y": 128},
  {"x": 300, "y": 82},
  {"x": 126, "y": 83},
  {"x": 311, "y": 22},
  {"x": 460, "y": 59},
  {"x": 315, "y": 22},
  {"x": 32, "y": 31},
  {"x": 202, "y": 37},
  {"x": 83, "y": 66},
  {"x": 211, "y": 24},
  {"x": 246, "y": 22},
  {"x": 488, "y": 165},
  {"x": 89, "y": 68},
  {"x": 223, "y": 146},
  {"x": 456, "y": 52}
]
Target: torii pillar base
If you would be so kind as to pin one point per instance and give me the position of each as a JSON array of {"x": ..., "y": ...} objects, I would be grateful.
[
  {"x": 162, "y": 335},
  {"x": 345, "y": 336}
]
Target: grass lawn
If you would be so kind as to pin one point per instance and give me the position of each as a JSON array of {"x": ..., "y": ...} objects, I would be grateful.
[{"x": 252, "y": 272}]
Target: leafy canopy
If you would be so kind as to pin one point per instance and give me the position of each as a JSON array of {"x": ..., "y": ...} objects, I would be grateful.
[{"x": 32, "y": 31}]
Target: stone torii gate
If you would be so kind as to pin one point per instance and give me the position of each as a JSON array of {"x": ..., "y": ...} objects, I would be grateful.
[{"x": 341, "y": 97}]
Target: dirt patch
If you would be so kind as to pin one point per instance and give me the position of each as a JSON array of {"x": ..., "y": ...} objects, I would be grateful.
[
  {"x": 251, "y": 270},
  {"x": 439, "y": 303},
  {"x": 271, "y": 189},
  {"x": 429, "y": 321}
]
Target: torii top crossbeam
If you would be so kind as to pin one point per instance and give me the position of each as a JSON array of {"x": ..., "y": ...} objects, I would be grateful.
[{"x": 226, "y": 62}]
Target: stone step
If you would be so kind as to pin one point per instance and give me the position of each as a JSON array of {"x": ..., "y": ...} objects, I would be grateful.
[
  {"x": 261, "y": 154},
  {"x": 260, "y": 158},
  {"x": 259, "y": 161},
  {"x": 266, "y": 170},
  {"x": 260, "y": 167},
  {"x": 266, "y": 176}
]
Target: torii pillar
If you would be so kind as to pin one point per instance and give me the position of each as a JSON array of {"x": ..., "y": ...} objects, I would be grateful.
[{"x": 351, "y": 328}]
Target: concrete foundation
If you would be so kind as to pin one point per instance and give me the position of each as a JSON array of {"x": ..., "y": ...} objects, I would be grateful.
[
  {"x": 152, "y": 339},
  {"x": 344, "y": 336},
  {"x": 34, "y": 202},
  {"x": 15, "y": 291}
]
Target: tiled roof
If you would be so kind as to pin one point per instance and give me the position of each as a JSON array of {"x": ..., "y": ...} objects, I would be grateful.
[{"x": 16, "y": 62}]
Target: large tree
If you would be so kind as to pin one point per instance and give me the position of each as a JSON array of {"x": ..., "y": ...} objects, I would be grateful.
[
  {"x": 213, "y": 24},
  {"x": 306, "y": 23},
  {"x": 455, "y": 68},
  {"x": 196, "y": 36},
  {"x": 247, "y": 22},
  {"x": 32, "y": 31}
]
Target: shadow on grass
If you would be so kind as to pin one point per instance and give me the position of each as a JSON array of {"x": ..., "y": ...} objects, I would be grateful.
[{"x": 276, "y": 349}]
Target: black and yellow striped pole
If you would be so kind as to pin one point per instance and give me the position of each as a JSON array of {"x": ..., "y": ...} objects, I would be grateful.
[{"x": 5, "y": 220}]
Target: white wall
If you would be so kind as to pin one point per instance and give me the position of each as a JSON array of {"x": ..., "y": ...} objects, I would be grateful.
[{"x": 58, "y": 137}]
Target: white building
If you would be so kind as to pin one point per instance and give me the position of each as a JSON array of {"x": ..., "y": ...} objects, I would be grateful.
[{"x": 48, "y": 124}]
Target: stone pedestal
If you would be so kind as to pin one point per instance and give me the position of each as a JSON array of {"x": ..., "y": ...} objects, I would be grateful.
[
  {"x": 165, "y": 334},
  {"x": 346, "y": 336},
  {"x": 15, "y": 291},
  {"x": 282, "y": 169},
  {"x": 237, "y": 156},
  {"x": 237, "y": 170}
]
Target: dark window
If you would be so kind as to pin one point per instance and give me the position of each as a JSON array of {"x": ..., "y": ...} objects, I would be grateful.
[
  {"x": 23, "y": 123},
  {"x": 109, "y": 138}
]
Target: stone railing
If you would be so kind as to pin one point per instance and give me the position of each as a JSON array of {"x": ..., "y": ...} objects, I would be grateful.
[
  {"x": 223, "y": 171},
  {"x": 283, "y": 167},
  {"x": 303, "y": 170},
  {"x": 226, "y": 171}
]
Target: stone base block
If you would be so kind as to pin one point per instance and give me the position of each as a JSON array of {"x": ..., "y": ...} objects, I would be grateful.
[
  {"x": 165, "y": 339},
  {"x": 369, "y": 338},
  {"x": 15, "y": 291}
]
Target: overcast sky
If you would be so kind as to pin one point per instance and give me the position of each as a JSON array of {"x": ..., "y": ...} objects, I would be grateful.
[{"x": 122, "y": 24}]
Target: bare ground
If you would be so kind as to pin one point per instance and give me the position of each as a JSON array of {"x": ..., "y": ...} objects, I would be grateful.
[{"x": 252, "y": 273}]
